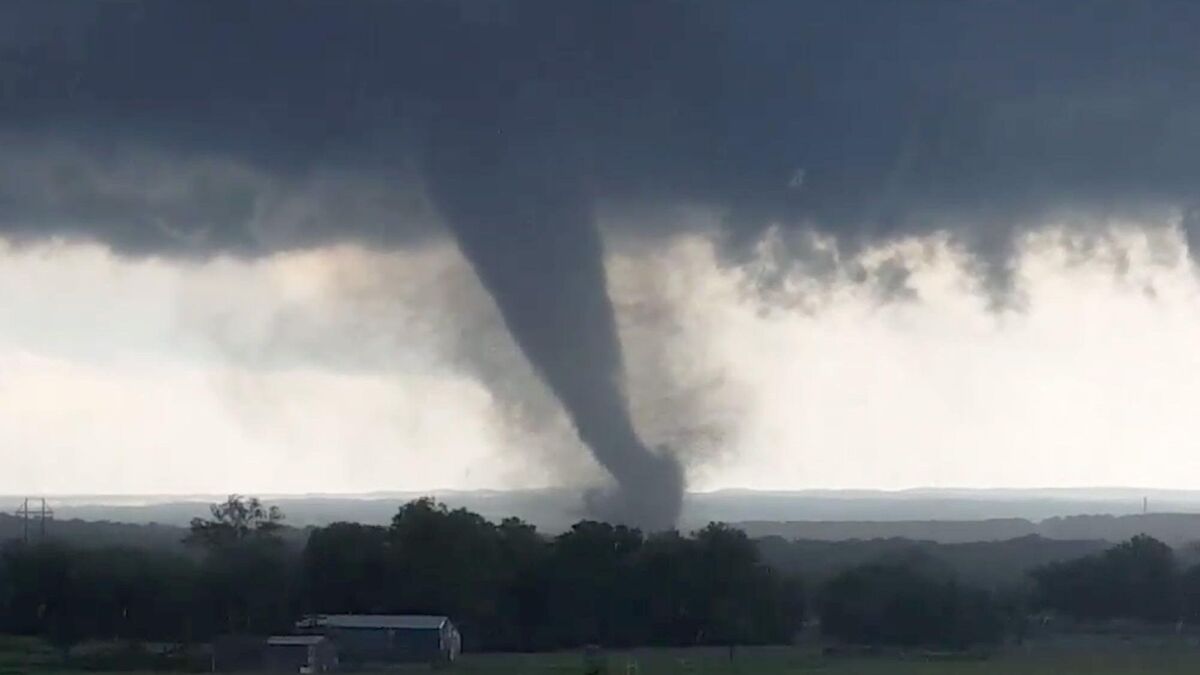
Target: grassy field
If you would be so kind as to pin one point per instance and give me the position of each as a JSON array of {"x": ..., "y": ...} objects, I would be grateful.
[
  {"x": 1147, "y": 661},
  {"x": 1109, "y": 658}
]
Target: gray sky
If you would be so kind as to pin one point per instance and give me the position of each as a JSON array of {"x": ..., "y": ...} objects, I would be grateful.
[
  {"x": 310, "y": 245},
  {"x": 145, "y": 375}
]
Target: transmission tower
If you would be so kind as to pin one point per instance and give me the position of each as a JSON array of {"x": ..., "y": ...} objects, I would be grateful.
[{"x": 40, "y": 512}]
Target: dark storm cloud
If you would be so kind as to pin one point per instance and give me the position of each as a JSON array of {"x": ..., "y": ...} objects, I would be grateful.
[
  {"x": 859, "y": 121},
  {"x": 901, "y": 116}
]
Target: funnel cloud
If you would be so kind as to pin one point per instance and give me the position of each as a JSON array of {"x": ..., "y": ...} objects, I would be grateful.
[{"x": 524, "y": 220}]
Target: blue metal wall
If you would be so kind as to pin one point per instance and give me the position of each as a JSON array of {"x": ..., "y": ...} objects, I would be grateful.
[{"x": 386, "y": 644}]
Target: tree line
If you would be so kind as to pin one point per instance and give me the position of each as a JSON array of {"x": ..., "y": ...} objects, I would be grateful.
[
  {"x": 1140, "y": 579},
  {"x": 509, "y": 587},
  {"x": 919, "y": 602}
]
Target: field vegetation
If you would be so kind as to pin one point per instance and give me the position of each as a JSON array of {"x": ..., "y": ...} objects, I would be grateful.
[{"x": 708, "y": 601}]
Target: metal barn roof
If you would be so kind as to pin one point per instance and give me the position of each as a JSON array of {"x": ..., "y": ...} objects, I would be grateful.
[
  {"x": 409, "y": 621},
  {"x": 294, "y": 640}
]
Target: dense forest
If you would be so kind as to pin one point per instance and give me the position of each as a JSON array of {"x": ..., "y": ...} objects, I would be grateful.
[
  {"x": 510, "y": 587},
  {"x": 507, "y": 586}
]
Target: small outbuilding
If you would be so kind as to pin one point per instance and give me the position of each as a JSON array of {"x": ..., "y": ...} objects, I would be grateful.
[
  {"x": 238, "y": 653},
  {"x": 387, "y": 638},
  {"x": 300, "y": 654},
  {"x": 276, "y": 654}
]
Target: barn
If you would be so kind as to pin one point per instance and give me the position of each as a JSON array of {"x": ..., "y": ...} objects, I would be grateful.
[
  {"x": 300, "y": 654},
  {"x": 387, "y": 638}
]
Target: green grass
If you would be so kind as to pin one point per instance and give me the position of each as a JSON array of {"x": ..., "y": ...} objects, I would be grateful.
[
  {"x": 1178, "y": 659},
  {"x": 1103, "y": 659}
]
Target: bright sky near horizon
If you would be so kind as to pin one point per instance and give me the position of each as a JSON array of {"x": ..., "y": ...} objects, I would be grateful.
[{"x": 346, "y": 370}]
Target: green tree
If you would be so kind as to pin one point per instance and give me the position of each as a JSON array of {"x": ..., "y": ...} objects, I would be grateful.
[
  {"x": 1189, "y": 594},
  {"x": 245, "y": 574},
  {"x": 741, "y": 599},
  {"x": 592, "y": 584},
  {"x": 236, "y": 519},
  {"x": 901, "y": 604},
  {"x": 522, "y": 605},
  {"x": 673, "y": 613},
  {"x": 444, "y": 561},
  {"x": 345, "y": 566},
  {"x": 1136, "y": 579}
]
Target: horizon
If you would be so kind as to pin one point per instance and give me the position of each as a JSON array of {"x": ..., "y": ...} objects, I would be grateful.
[
  {"x": 1045, "y": 489},
  {"x": 555, "y": 508}
]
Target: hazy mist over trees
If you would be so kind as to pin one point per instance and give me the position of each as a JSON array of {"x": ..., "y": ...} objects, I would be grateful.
[{"x": 512, "y": 588}]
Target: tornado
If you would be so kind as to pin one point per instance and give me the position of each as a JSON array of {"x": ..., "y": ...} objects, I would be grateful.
[{"x": 519, "y": 211}]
